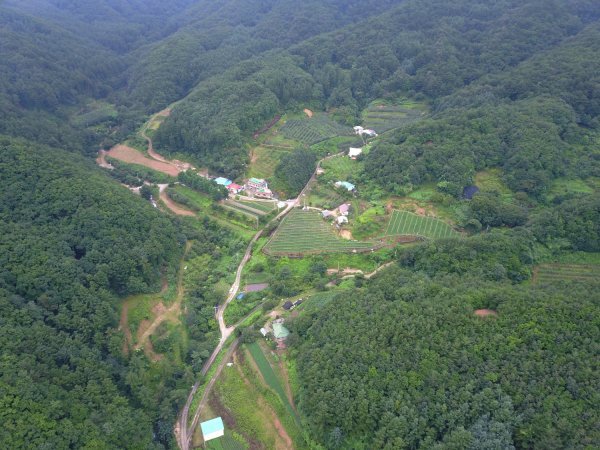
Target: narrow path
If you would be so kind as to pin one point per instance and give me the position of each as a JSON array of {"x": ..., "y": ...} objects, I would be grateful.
[{"x": 171, "y": 313}]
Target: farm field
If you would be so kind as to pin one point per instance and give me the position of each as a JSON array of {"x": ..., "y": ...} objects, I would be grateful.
[
  {"x": 547, "y": 273},
  {"x": 304, "y": 232},
  {"x": 315, "y": 129},
  {"x": 382, "y": 118},
  {"x": 265, "y": 206},
  {"x": 264, "y": 159},
  {"x": 407, "y": 223},
  {"x": 133, "y": 156},
  {"x": 243, "y": 209},
  {"x": 269, "y": 375},
  {"x": 226, "y": 442}
]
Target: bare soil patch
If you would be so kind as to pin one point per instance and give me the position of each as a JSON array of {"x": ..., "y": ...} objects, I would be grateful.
[
  {"x": 485, "y": 313},
  {"x": 420, "y": 211},
  {"x": 131, "y": 155},
  {"x": 308, "y": 112},
  {"x": 101, "y": 160},
  {"x": 346, "y": 234},
  {"x": 256, "y": 287},
  {"x": 177, "y": 209}
]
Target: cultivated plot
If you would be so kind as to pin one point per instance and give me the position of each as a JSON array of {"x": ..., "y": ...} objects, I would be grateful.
[
  {"x": 314, "y": 129},
  {"x": 410, "y": 224},
  {"x": 305, "y": 232},
  {"x": 382, "y": 118},
  {"x": 547, "y": 273}
]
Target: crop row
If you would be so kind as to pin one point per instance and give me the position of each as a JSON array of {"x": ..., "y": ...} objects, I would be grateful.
[{"x": 407, "y": 223}]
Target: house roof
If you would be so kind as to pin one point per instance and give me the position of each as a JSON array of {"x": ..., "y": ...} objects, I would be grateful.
[
  {"x": 212, "y": 426},
  {"x": 279, "y": 331},
  {"x": 326, "y": 213},
  {"x": 256, "y": 180},
  {"x": 352, "y": 151},
  {"x": 344, "y": 208},
  {"x": 234, "y": 186},
  {"x": 342, "y": 219},
  {"x": 345, "y": 184},
  {"x": 223, "y": 181}
]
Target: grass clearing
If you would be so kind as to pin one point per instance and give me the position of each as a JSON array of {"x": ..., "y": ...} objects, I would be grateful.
[
  {"x": 491, "y": 181},
  {"x": 407, "y": 223},
  {"x": 264, "y": 159},
  {"x": 305, "y": 232}
]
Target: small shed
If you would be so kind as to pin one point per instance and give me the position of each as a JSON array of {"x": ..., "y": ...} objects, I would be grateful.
[
  {"x": 345, "y": 185},
  {"x": 326, "y": 214},
  {"x": 264, "y": 331},
  {"x": 288, "y": 305},
  {"x": 342, "y": 219},
  {"x": 241, "y": 295},
  {"x": 223, "y": 181},
  {"x": 212, "y": 429}
]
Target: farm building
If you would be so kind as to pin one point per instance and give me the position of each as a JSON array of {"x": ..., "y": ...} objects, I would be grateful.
[
  {"x": 354, "y": 152},
  {"x": 281, "y": 205},
  {"x": 212, "y": 429},
  {"x": 346, "y": 185},
  {"x": 344, "y": 208},
  {"x": 279, "y": 331},
  {"x": 342, "y": 219},
  {"x": 263, "y": 193},
  {"x": 234, "y": 188},
  {"x": 288, "y": 305},
  {"x": 257, "y": 183},
  {"x": 362, "y": 131},
  {"x": 240, "y": 296},
  {"x": 223, "y": 181},
  {"x": 264, "y": 331},
  {"x": 326, "y": 214}
]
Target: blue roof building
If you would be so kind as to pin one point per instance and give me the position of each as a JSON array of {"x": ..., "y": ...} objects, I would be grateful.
[
  {"x": 223, "y": 181},
  {"x": 346, "y": 185},
  {"x": 212, "y": 429}
]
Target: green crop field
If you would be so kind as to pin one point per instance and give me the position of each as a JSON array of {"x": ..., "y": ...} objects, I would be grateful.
[
  {"x": 226, "y": 442},
  {"x": 269, "y": 375},
  {"x": 259, "y": 205},
  {"x": 264, "y": 160},
  {"x": 254, "y": 208},
  {"x": 315, "y": 129},
  {"x": 546, "y": 273},
  {"x": 382, "y": 118},
  {"x": 407, "y": 223},
  {"x": 306, "y": 232}
]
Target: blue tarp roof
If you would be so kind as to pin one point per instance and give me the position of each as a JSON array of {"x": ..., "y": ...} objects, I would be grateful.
[
  {"x": 212, "y": 426},
  {"x": 223, "y": 181},
  {"x": 240, "y": 296}
]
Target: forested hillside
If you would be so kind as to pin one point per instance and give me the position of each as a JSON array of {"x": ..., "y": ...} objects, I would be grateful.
[
  {"x": 423, "y": 49},
  {"x": 71, "y": 242},
  {"x": 405, "y": 362}
]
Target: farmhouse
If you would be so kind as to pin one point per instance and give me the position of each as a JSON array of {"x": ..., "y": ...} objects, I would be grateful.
[
  {"x": 223, "y": 181},
  {"x": 346, "y": 185},
  {"x": 256, "y": 183},
  {"x": 344, "y": 208},
  {"x": 212, "y": 429},
  {"x": 353, "y": 152},
  {"x": 234, "y": 188},
  {"x": 259, "y": 188},
  {"x": 279, "y": 331},
  {"x": 326, "y": 214}
]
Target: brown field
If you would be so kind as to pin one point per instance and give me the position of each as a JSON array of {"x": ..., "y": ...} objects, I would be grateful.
[
  {"x": 179, "y": 210},
  {"x": 132, "y": 156}
]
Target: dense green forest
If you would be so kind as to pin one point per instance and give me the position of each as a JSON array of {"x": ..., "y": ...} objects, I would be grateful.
[
  {"x": 405, "y": 363},
  {"x": 72, "y": 241}
]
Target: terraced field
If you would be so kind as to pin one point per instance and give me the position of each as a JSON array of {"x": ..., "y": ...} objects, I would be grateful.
[
  {"x": 264, "y": 206},
  {"x": 547, "y": 273},
  {"x": 226, "y": 442},
  {"x": 383, "y": 118},
  {"x": 305, "y": 232},
  {"x": 315, "y": 129},
  {"x": 410, "y": 224}
]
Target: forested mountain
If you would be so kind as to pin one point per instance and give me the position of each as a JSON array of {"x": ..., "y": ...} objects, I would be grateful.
[
  {"x": 71, "y": 242},
  {"x": 423, "y": 48}
]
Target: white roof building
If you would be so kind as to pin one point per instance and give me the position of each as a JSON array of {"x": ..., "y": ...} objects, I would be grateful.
[
  {"x": 342, "y": 219},
  {"x": 354, "y": 152}
]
